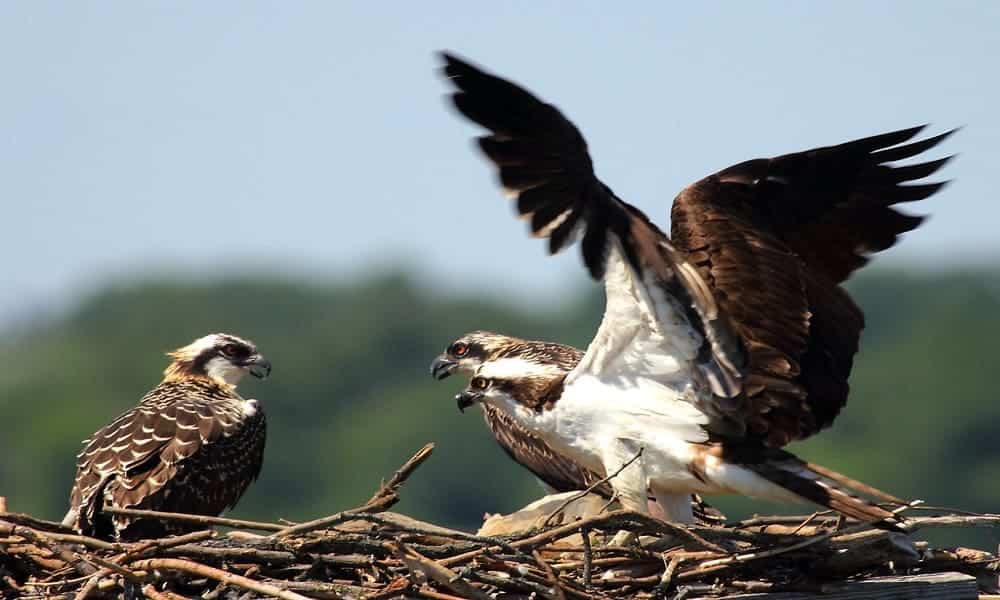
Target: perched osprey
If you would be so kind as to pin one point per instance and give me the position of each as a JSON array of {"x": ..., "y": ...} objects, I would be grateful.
[
  {"x": 192, "y": 445},
  {"x": 557, "y": 472},
  {"x": 720, "y": 344}
]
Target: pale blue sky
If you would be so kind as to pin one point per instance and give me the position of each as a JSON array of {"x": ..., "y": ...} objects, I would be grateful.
[{"x": 224, "y": 136}]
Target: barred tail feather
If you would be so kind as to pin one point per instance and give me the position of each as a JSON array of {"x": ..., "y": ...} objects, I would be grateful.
[
  {"x": 854, "y": 484},
  {"x": 833, "y": 490}
]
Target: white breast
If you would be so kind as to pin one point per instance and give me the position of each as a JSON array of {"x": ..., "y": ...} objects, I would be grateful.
[
  {"x": 250, "y": 407},
  {"x": 595, "y": 420}
]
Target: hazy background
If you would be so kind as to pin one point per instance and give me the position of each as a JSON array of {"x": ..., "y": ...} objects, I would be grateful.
[{"x": 290, "y": 172}]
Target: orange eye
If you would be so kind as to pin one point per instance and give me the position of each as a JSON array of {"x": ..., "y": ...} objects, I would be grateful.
[
  {"x": 230, "y": 349},
  {"x": 480, "y": 383},
  {"x": 460, "y": 349}
]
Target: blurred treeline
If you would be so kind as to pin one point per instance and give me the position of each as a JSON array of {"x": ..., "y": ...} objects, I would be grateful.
[{"x": 350, "y": 397}]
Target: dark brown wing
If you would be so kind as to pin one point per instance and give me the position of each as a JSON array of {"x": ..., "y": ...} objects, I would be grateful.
[
  {"x": 544, "y": 164},
  {"x": 159, "y": 454},
  {"x": 774, "y": 238},
  {"x": 555, "y": 470}
]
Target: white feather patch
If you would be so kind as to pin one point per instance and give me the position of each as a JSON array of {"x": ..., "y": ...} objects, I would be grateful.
[{"x": 516, "y": 368}]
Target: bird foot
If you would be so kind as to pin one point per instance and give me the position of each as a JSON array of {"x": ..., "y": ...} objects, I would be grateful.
[{"x": 624, "y": 539}]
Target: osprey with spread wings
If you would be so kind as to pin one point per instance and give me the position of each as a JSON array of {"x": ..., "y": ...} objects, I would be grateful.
[{"x": 721, "y": 343}]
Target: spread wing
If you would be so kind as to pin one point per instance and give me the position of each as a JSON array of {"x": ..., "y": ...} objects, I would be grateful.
[
  {"x": 654, "y": 294},
  {"x": 555, "y": 470},
  {"x": 747, "y": 292},
  {"x": 774, "y": 238},
  {"x": 138, "y": 457}
]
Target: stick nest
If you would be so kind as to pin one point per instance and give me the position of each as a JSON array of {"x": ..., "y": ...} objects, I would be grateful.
[{"x": 366, "y": 552}]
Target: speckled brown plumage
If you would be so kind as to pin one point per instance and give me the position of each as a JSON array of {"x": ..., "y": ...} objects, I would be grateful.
[{"x": 192, "y": 445}]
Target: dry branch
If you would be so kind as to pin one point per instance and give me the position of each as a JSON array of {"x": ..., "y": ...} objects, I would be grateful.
[{"x": 385, "y": 497}]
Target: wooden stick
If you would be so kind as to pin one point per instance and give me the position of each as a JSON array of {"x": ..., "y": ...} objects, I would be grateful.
[
  {"x": 150, "y": 592},
  {"x": 588, "y": 558},
  {"x": 619, "y": 519},
  {"x": 71, "y": 558},
  {"x": 177, "y": 564},
  {"x": 590, "y": 488},
  {"x": 386, "y": 496},
  {"x": 443, "y": 575},
  {"x": 199, "y": 519},
  {"x": 549, "y": 574}
]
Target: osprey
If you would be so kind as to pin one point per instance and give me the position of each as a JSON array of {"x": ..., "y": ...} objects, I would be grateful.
[
  {"x": 557, "y": 472},
  {"x": 719, "y": 344},
  {"x": 192, "y": 445}
]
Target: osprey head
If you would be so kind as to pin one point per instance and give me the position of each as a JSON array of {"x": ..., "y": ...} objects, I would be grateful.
[
  {"x": 221, "y": 357},
  {"x": 468, "y": 352},
  {"x": 513, "y": 382}
]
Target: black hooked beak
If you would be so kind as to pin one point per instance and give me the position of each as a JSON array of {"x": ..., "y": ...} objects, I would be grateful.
[
  {"x": 259, "y": 366},
  {"x": 467, "y": 398},
  {"x": 443, "y": 367}
]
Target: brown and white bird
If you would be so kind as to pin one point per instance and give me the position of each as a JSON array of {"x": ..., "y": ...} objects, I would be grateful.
[
  {"x": 557, "y": 472},
  {"x": 721, "y": 343},
  {"x": 192, "y": 445}
]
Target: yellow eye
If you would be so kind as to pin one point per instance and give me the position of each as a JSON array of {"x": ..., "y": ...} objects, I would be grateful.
[
  {"x": 480, "y": 383},
  {"x": 460, "y": 349}
]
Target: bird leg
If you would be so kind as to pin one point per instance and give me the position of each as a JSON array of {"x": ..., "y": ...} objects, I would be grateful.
[{"x": 630, "y": 484}]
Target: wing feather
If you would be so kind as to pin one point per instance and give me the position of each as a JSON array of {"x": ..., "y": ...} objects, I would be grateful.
[
  {"x": 754, "y": 264},
  {"x": 151, "y": 451},
  {"x": 542, "y": 160},
  {"x": 775, "y": 238}
]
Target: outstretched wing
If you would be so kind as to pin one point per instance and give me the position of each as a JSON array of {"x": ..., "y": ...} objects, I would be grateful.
[
  {"x": 774, "y": 238},
  {"x": 658, "y": 307},
  {"x": 747, "y": 290}
]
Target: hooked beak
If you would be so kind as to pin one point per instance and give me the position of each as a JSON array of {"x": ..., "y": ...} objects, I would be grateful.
[
  {"x": 467, "y": 398},
  {"x": 442, "y": 367},
  {"x": 258, "y": 366}
]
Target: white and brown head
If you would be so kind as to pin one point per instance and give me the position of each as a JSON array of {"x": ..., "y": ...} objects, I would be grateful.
[
  {"x": 467, "y": 353},
  {"x": 220, "y": 357},
  {"x": 524, "y": 376}
]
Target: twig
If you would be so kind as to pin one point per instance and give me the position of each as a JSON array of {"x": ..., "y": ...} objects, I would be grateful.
[
  {"x": 177, "y": 564},
  {"x": 591, "y": 488},
  {"x": 459, "y": 535},
  {"x": 71, "y": 558},
  {"x": 667, "y": 579},
  {"x": 712, "y": 565},
  {"x": 150, "y": 592},
  {"x": 199, "y": 519},
  {"x": 808, "y": 520},
  {"x": 33, "y": 522},
  {"x": 443, "y": 575},
  {"x": 386, "y": 496},
  {"x": 618, "y": 519},
  {"x": 550, "y": 575},
  {"x": 143, "y": 548},
  {"x": 427, "y": 592},
  {"x": 588, "y": 558}
]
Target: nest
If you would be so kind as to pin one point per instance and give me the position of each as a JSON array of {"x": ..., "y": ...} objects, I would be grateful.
[{"x": 366, "y": 552}]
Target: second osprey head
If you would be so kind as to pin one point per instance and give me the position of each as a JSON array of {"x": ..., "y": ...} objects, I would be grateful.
[
  {"x": 514, "y": 383},
  {"x": 221, "y": 357}
]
